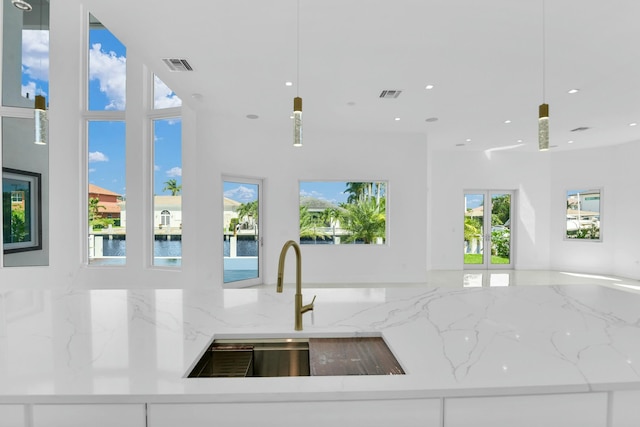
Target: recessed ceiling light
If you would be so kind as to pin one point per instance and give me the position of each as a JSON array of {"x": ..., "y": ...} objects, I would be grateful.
[
  {"x": 22, "y": 5},
  {"x": 252, "y": 116},
  {"x": 633, "y": 124},
  {"x": 288, "y": 83},
  {"x": 429, "y": 87},
  {"x": 468, "y": 139},
  {"x": 397, "y": 119},
  {"x": 519, "y": 141},
  {"x": 570, "y": 142},
  {"x": 507, "y": 121},
  {"x": 572, "y": 91}
]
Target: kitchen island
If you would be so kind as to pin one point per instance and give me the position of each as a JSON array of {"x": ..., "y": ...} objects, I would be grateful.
[{"x": 543, "y": 355}]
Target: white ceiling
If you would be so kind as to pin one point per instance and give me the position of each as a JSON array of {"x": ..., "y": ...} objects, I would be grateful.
[{"x": 484, "y": 59}]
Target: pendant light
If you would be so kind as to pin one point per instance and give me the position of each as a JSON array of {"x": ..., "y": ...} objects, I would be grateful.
[
  {"x": 297, "y": 101},
  {"x": 543, "y": 110},
  {"x": 42, "y": 121}
]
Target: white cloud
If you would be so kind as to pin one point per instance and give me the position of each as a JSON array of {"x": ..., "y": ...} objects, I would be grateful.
[
  {"x": 110, "y": 70},
  {"x": 314, "y": 194},
  {"x": 163, "y": 97},
  {"x": 241, "y": 194},
  {"x": 35, "y": 54},
  {"x": 97, "y": 156},
  {"x": 174, "y": 171}
]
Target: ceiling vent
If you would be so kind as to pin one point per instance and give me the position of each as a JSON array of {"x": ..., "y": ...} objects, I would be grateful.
[
  {"x": 580, "y": 129},
  {"x": 176, "y": 64},
  {"x": 389, "y": 94}
]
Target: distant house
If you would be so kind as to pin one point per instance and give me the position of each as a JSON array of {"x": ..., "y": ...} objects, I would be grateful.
[
  {"x": 110, "y": 202},
  {"x": 167, "y": 213}
]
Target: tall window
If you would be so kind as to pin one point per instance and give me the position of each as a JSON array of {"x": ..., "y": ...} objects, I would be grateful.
[
  {"x": 167, "y": 189},
  {"x": 106, "y": 143},
  {"x": 107, "y": 193},
  {"x": 107, "y": 69}
]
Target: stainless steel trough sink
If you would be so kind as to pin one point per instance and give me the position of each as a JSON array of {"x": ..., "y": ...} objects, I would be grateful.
[{"x": 292, "y": 357}]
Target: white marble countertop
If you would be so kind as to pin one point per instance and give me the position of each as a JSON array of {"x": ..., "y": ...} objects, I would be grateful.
[{"x": 138, "y": 345}]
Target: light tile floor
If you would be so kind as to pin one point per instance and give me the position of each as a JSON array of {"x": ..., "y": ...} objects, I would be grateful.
[{"x": 495, "y": 278}]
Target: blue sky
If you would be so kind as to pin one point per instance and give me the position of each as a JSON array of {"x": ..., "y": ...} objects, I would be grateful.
[
  {"x": 107, "y": 85},
  {"x": 331, "y": 191}
]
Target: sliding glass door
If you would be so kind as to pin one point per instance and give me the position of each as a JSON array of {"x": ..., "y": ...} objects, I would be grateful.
[{"x": 488, "y": 231}]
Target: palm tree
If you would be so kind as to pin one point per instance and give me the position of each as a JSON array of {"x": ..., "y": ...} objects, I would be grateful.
[
  {"x": 309, "y": 225},
  {"x": 94, "y": 208},
  {"x": 365, "y": 220},
  {"x": 248, "y": 210},
  {"x": 356, "y": 190},
  {"x": 172, "y": 185}
]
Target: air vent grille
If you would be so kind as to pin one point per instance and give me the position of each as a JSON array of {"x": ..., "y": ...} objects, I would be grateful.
[
  {"x": 389, "y": 94},
  {"x": 176, "y": 64}
]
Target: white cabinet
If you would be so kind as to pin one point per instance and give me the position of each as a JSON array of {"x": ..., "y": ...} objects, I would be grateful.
[
  {"x": 101, "y": 415},
  {"x": 384, "y": 413},
  {"x": 625, "y": 407},
  {"x": 12, "y": 416},
  {"x": 560, "y": 410}
]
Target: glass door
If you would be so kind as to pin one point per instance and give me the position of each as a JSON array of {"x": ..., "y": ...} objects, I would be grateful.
[
  {"x": 242, "y": 240},
  {"x": 487, "y": 229}
]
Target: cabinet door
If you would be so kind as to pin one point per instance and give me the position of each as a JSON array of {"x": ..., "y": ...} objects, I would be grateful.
[
  {"x": 12, "y": 416},
  {"x": 89, "y": 415},
  {"x": 563, "y": 410},
  {"x": 405, "y": 413},
  {"x": 625, "y": 409}
]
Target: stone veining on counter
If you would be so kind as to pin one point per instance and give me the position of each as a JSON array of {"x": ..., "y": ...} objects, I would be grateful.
[{"x": 449, "y": 341}]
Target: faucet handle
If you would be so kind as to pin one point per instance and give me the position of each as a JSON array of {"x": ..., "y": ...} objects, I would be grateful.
[{"x": 309, "y": 306}]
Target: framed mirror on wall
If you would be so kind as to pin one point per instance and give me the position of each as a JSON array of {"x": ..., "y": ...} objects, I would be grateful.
[
  {"x": 25, "y": 212},
  {"x": 21, "y": 211},
  {"x": 583, "y": 215}
]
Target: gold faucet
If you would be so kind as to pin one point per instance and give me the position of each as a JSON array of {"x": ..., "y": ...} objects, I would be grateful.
[{"x": 299, "y": 308}]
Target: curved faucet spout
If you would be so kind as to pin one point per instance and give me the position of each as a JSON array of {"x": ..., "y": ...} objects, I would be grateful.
[{"x": 299, "y": 307}]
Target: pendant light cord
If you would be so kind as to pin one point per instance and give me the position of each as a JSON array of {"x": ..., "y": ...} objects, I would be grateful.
[
  {"x": 298, "y": 49},
  {"x": 544, "y": 55}
]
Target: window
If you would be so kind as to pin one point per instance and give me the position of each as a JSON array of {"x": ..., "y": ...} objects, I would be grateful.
[
  {"x": 107, "y": 193},
  {"x": 106, "y": 147},
  {"x": 163, "y": 97},
  {"x": 167, "y": 188},
  {"x": 343, "y": 212},
  {"x": 583, "y": 215},
  {"x": 107, "y": 69}
]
